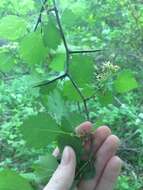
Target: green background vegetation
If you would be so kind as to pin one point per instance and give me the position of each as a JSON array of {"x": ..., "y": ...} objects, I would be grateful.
[{"x": 109, "y": 82}]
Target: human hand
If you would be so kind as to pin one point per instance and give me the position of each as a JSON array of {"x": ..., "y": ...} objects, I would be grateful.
[{"x": 107, "y": 165}]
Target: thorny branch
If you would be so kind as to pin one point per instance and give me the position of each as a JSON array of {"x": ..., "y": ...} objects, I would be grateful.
[
  {"x": 68, "y": 54},
  {"x": 39, "y": 20}
]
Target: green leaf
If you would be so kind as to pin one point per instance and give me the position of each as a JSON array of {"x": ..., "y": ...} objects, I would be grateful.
[
  {"x": 58, "y": 62},
  {"x": 45, "y": 167},
  {"x": 56, "y": 105},
  {"x": 10, "y": 180},
  {"x": 51, "y": 37},
  {"x": 7, "y": 62},
  {"x": 70, "y": 92},
  {"x": 12, "y": 27},
  {"x": 40, "y": 130},
  {"x": 31, "y": 177},
  {"x": 125, "y": 82},
  {"x": 105, "y": 98},
  {"x": 69, "y": 19},
  {"x": 71, "y": 121},
  {"x": 45, "y": 90},
  {"x": 82, "y": 69},
  {"x": 72, "y": 141},
  {"x": 88, "y": 90},
  {"x": 32, "y": 49},
  {"x": 89, "y": 171},
  {"x": 23, "y": 7}
]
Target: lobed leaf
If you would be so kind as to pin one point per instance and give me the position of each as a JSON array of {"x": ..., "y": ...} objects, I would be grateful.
[
  {"x": 125, "y": 82},
  {"x": 70, "y": 92},
  {"x": 40, "y": 130},
  {"x": 32, "y": 49},
  {"x": 81, "y": 70},
  {"x": 51, "y": 35}
]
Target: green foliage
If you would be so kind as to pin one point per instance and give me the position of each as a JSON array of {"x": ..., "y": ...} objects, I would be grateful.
[
  {"x": 40, "y": 130},
  {"x": 74, "y": 142},
  {"x": 70, "y": 92},
  {"x": 69, "y": 18},
  {"x": 81, "y": 70},
  {"x": 104, "y": 87},
  {"x": 105, "y": 98},
  {"x": 44, "y": 168},
  {"x": 125, "y": 82},
  {"x": 124, "y": 183},
  {"x": 12, "y": 27},
  {"x": 71, "y": 121},
  {"x": 32, "y": 49},
  {"x": 7, "y": 62},
  {"x": 51, "y": 36},
  {"x": 58, "y": 62},
  {"x": 10, "y": 180}
]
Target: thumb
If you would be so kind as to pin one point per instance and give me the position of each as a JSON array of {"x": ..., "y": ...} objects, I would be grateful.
[{"x": 63, "y": 177}]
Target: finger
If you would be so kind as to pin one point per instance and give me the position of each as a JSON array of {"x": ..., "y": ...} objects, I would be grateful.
[
  {"x": 63, "y": 177},
  {"x": 100, "y": 136},
  {"x": 84, "y": 128},
  {"x": 105, "y": 153},
  {"x": 111, "y": 172}
]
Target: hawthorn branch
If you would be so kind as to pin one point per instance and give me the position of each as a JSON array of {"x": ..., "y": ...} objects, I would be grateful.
[
  {"x": 60, "y": 27},
  {"x": 86, "y": 109},
  {"x": 40, "y": 15},
  {"x": 47, "y": 82},
  {"x": 81, "y": 95},
  {"x": 84, "y": 51}
]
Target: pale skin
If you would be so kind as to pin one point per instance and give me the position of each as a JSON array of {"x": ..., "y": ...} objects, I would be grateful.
[{"x": 107, "y": 164}]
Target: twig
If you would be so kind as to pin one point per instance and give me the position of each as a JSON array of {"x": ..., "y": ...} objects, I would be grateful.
[
  {"x": 81, "y": 95},
  {"x": 84, "y": 51},
  {"x": 47, "y": 82},
  {"x": 60, "y": 27},
  {"x": 40, "y": 15}
]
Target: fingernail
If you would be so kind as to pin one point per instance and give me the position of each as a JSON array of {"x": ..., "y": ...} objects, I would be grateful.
[{"x": 66, "y": 156}]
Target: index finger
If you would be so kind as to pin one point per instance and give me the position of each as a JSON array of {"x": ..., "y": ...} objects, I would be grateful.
[{"x": 84, "y": 128}]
